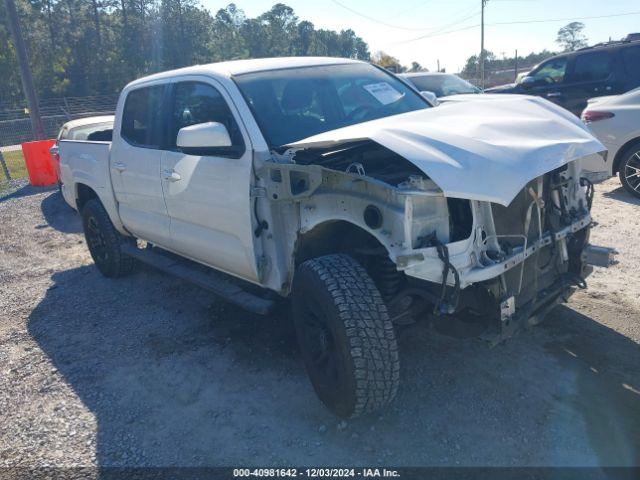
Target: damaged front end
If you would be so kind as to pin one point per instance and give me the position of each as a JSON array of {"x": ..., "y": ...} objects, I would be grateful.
[
  {"x": 524, "y": 258},
  {"x": 455, "y": 224}
]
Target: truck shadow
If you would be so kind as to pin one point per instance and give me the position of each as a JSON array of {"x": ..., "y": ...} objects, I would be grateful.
[
  {"x": 175, "y": 377},
  {"x": 59, "y": 215},
  {"x": 26, "y": 191}
]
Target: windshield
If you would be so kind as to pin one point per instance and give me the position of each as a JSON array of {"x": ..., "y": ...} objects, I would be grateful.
[
  {"x": 442, "y": 85},
  {"x": 296, "y": 103}
]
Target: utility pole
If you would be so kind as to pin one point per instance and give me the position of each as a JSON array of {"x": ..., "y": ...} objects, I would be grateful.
[
  {"x": 515, "y": 75},
  {"x": 484, "y": 2},
  {"x": 438, "y": 65},
  {"x": 25, "y": 71}
]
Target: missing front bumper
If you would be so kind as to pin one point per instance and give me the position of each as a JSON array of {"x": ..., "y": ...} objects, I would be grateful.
[{"x": 513, "y": 320}]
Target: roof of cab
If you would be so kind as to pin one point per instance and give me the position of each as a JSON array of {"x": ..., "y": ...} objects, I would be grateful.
[{"x": 239, "y": 67}]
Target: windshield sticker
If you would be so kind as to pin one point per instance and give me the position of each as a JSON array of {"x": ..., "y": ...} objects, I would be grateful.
[{"x": 383, "y": 92}]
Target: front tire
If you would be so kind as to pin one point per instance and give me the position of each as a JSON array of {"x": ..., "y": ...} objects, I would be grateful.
[
  {"x": 629, "y": 172},
  {"x": 104, "y": 241},
  {"x": 347, "y": 339}
]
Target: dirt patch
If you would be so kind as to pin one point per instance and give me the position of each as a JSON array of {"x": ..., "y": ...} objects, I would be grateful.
[{"x": 148, "y": 370}]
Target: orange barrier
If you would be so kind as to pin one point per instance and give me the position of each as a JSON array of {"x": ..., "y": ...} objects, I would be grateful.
[{"x": 39, "y": 164}]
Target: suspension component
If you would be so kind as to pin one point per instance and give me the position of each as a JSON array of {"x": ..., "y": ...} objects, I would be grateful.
[{"x": 387, "y": 277}]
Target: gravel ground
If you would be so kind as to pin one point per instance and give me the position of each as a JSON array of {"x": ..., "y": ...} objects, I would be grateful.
[{"x": 148, "y": 370}]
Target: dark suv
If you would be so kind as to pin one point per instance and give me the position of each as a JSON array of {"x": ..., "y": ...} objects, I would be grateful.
[{"x": 572, "y": 78}]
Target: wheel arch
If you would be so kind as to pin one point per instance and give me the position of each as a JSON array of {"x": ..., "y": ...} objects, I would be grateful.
[
  {"x": 83, "y": 194},
  {"x": 335, "y": 236},
  {"x": 103, "y": 239},
  {"x": 622, "y": 151}
]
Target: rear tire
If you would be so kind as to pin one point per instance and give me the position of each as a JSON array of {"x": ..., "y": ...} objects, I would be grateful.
[
  {"x": 104, "y": 241},
  {"x": 629, "y": 171},
  {"x": 347, "y": 339}
]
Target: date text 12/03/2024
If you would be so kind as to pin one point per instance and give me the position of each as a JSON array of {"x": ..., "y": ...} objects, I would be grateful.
[{"x": 317, "y": 472}]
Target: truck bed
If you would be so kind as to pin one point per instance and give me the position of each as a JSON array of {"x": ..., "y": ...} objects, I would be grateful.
[{"x": 83, "y": 161}]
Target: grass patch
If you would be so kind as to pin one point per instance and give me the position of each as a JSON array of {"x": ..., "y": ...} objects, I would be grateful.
[{"x": 15, "y": 164}]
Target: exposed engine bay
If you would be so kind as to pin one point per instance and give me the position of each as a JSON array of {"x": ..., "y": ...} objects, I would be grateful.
[{"x": 366, "y": 158}]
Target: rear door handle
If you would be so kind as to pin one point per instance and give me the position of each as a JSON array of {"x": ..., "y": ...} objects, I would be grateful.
[
  {"x": 554, "y": 94},
  {"x": 119, "y": 166},
  {"x": 171, "y": 175}
]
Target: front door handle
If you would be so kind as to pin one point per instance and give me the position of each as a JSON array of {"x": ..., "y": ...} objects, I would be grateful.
[
  {"x": 554, "y": 94},
  {"x": 171, "y": 175},
  {"x": 119, "y": 166}
]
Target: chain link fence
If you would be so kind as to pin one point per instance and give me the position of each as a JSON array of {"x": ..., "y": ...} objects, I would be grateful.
[
  {"x": 497, "y": 76},
  {"x": 13, "y": 171},
  {"x": 15, "y": 128}
]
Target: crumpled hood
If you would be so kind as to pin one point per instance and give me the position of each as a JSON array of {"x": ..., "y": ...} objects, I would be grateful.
[{"x": 478, "y": 150}]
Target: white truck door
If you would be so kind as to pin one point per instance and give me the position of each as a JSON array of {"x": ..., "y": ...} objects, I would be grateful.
[
  {"x": 135, "y": 165},
  {"x": 207, "y": 194}
]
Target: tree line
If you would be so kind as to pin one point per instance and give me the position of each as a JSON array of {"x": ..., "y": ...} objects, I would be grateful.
[
  {"x": 93, "y": 47},
  {"x": 569, "y": 38},
  {"x": 494, "y": 64}
]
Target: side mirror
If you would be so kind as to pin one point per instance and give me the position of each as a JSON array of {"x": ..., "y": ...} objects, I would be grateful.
[
  {"x": 430, "y": 96},
  {"x": 528, "y": 82},
  {"x": 203, "y": 136}
]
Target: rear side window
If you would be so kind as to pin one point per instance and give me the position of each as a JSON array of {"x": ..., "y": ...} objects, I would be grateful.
[
  {"x": 197, "y": 102},
  {"x": 631, "y": 59},
  {"x": 590, "y": 67},
  {"x": 142, "y": 109}
]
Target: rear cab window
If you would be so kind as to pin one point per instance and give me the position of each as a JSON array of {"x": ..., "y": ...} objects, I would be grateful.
[
  {"x": 142, "y": 116},
  {"x": 87, "y": 132},
  {"x": 63, "y": 133}
]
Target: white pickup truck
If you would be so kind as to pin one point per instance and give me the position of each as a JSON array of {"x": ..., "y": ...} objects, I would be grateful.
[{"x": 335, "y": 183}]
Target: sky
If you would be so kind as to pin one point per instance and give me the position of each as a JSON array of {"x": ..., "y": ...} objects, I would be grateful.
[{"x": 395, "y": 26}]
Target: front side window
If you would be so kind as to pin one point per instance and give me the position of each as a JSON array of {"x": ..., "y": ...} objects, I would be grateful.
[
  {"x": 590, "y": 67},
  {"x": 295, "y": 103},
  {"x": 197, "y": 102},
  {"x": 142, "y": 109},
  {"x": 550, "y": 72}
]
